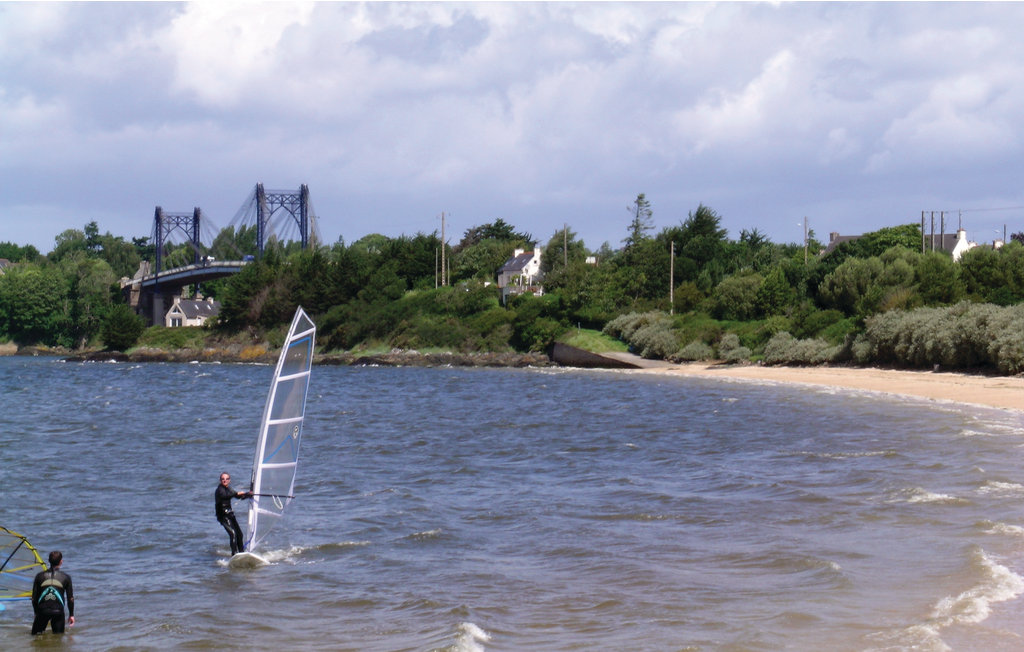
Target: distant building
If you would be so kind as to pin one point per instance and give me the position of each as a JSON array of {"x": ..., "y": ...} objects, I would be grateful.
[
  {"x": 191, "y": 312},
  {"x": 956, "y": 244},
  {"x": 4, "y": 264},
  {"x": 521, "y": 273}
]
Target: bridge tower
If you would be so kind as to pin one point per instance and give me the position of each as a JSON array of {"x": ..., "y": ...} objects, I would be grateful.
[
  {"x": 165, "y": 224},
  {"x": 281, "y": 202}
]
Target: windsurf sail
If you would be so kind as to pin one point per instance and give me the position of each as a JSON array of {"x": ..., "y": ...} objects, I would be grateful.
[
  {"x": 19, "y": 563},
  {"x": 277, "y": 447}
]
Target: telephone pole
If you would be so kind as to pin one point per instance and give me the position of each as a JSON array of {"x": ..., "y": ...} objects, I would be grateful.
[
  {"x": 805, "y": 241},
  {"x": 565, "y": 245},
  {"x": 443, "y": 281},
  {"x": 672, "y": 280}
]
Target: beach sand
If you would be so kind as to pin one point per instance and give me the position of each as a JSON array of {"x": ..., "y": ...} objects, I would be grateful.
[{"x": 1006, "y": 392}]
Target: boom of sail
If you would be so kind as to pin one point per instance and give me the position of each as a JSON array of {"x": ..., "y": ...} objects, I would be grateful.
[
  {"x": 19, "y": 563},
  {"x": 277, "y": 447}
]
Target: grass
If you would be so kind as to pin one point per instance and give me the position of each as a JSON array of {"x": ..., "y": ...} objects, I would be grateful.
[
  {"x": 593, "y": 341},
  {"x": 161, "y": 337}
]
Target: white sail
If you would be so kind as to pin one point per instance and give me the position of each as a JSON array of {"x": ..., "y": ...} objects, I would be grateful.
[{"x": 277, "y": 448}]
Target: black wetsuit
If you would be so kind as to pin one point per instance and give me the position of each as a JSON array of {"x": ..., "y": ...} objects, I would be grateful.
[
  {"x": 51, "y": 591},
  {"x": 226, "y": 517}
]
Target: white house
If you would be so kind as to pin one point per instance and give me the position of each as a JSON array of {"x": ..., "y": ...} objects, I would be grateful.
[
  {"x": 521, "y": 273},
  {"x": 191, "y": 312},
  {"x": 521, "y": 270}
]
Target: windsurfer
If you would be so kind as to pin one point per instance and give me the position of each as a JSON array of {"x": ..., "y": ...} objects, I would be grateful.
[
  {"x": 226, "y": 516},
  {"x": 51, "y": 591}
]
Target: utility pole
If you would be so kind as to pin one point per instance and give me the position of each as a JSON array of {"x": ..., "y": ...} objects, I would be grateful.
[
  {"x": 805, "y": 241},
  {"x": 442, "y": 250},
  {"x": 922, "y": 232},
  {"x": 933, "y": 230},
  {"x": 672, "y": 280},
  {"x": 565, "y": 245}
]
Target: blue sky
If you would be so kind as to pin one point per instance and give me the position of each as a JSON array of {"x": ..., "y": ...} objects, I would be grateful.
[{"x": 853, "y": 115}]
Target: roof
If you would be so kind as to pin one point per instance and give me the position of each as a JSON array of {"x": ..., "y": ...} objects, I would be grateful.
[
  {"x": 193, "y": 309},
  {"x": 517, "y": 263}
]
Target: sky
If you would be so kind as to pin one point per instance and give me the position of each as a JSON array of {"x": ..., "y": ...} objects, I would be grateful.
[{"x": 853, "y": 116}]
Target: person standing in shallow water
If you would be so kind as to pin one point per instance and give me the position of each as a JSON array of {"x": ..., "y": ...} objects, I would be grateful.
[
  {"x": 226, "y": 516},
  {"x": 51, "y": 592}
]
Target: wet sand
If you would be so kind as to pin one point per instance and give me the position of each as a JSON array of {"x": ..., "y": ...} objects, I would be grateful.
[{"x": 1005, "y": 392}]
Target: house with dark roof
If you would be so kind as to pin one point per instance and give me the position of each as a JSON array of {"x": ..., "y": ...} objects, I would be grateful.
[
  {"x": 191, "y": 312},
  {"x": 521, "y": 273}
]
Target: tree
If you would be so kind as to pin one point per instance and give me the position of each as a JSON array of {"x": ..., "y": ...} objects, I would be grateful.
[
  {"x": 16, "y": 253},
  {"x": 499, "y": 229},
  {"x": 736, "y": 297},
  {"x": 121, "y": 328},
  {"x": 34, "y": 306},
  {"x": 641, "y": 222},
  {"x": 938, "y": 279}
]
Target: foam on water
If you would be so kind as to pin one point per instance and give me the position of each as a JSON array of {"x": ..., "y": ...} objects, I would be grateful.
[
  {"x": 998, "y": 584},
  {"x": 470, "y": 638}
]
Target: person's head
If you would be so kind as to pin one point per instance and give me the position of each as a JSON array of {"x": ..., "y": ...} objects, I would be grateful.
[
  {"x": 225, "y": 479},
  {"x": 55, "y": 558}
]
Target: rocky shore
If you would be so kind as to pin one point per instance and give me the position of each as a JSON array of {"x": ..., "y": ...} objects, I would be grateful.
[{"x": 264, "y": 355}]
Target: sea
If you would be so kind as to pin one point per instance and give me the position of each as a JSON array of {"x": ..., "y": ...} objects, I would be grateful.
[{"x": 464, "y": 509}]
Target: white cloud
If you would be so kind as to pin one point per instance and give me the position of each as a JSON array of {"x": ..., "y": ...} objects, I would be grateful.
[{"x": 758, "y": 110}]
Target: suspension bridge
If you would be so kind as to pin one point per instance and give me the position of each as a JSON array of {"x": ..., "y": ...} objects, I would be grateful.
[{"x": 281, "y": 215}]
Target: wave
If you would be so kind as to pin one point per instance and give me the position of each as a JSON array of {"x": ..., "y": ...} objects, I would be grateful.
[
  {"x": 920, "y": 495},
  {"x": 974, "y": 605},
  {"x": 1002, "y": 528},
  {"x": 1002, "y": 488},
  {"x": 997, "y": 584},
  {"x": 469, "y": 638}
]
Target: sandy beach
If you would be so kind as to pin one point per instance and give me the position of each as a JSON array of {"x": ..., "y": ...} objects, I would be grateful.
[{"x": 1006, "y": 392}]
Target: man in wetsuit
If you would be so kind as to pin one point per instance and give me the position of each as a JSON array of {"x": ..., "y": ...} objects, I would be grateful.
[
  {"x": 226, "y": 516},
  {"x": 51, "y": 591}
]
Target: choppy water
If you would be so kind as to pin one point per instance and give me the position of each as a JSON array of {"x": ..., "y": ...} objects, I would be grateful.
[{"x": 461, "y": 509}]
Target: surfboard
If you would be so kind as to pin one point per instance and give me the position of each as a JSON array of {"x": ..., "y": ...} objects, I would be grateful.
[{"x": 247, "y": 560}]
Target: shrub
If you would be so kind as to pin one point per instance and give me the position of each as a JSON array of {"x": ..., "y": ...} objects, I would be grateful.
[
  {"x": 730, "y": 349},
  {"x": 783, "y": 348},
  {"x": 963, "y": 335},
  {"x": 694, "y": 351},
  {"x": 736, "y": 298},
  {"x": 655, "y": 340},
  {"x": 121, "y": 328}
]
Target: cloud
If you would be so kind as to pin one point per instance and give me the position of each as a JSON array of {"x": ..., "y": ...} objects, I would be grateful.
[{"x": 538, "y": 113}]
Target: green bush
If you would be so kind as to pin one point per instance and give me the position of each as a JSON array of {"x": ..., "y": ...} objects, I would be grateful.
[
  {"x": 655, "y": 341},
  {"x": 121, "y": 328},
  {"x": 695, "y": 351},
  {"x": 730, "y": 349},
  {"x": 960, "y": 336},
  {"x": 783, "y": 348},
  {"x": 736, "y": 298}
]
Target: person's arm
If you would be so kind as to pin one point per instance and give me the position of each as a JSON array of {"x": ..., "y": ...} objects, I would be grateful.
[{"x": 69, "y": 593}]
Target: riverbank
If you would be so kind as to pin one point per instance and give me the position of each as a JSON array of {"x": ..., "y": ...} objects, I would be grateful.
[
  {"x": 261, "y": 355},
  {"x": 1005, "y": 392}
]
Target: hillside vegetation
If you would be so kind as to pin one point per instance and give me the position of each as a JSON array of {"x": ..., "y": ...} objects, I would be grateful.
[{"x": 876, "y": 300}]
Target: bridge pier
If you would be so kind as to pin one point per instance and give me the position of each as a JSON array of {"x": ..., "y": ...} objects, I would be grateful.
[{"x": 152, "y": 295}]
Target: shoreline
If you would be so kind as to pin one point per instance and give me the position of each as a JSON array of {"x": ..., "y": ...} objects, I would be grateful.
[
  {"x": 1002, "y": 392},
  {"x": 992, "y": 391}
]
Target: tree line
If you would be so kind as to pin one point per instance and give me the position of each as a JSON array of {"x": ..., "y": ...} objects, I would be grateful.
[{"x": 688, "y": 290}]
